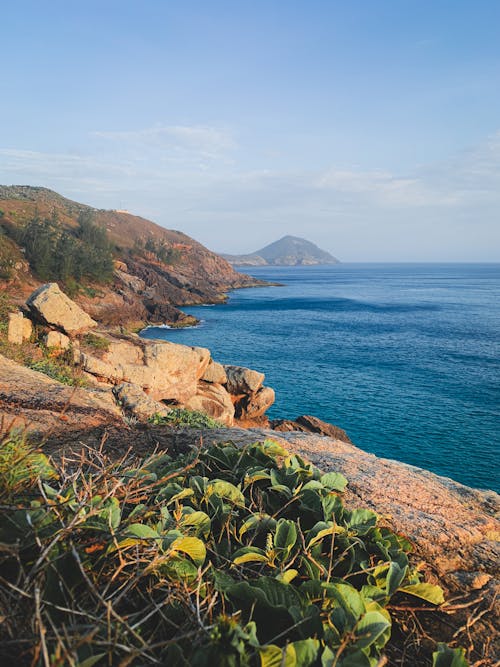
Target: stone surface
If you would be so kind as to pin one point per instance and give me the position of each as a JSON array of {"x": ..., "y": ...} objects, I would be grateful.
[
  {"x": 27, "y": 328},
  {"x": 310, "y": 424},
  {"x": 134, "y": 401},
  {"x": 49, "y": 304},
  {"x": 243, "y": 380},
  {"x": 213, "y": 399},
  {"x": 15, "y": 331},
  {"x": 167, "y": 371},
  {"x": 254, "y": 405},
  {"x": 57, "y": 339},
  {"x": 38, "y": 403},
  {"x": 215, "y": 373}
]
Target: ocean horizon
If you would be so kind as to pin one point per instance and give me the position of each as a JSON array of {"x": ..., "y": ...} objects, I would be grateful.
[{"x": 403, "y": 356}]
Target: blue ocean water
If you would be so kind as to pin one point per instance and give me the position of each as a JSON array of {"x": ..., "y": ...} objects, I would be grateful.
[{"x": 404, "y": 357}]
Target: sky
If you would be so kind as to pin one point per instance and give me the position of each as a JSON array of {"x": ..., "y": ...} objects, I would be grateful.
[{"x": 370, "y": 127}]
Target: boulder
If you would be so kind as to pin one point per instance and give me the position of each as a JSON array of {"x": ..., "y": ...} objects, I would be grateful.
[
  {"x": 174, "y": 370},
  {"x": 213, "y": 399},
  {"x": 243, "y": 380},
  {"x": 133, "y": 400},
  {"x": 254, "y": 405},
  {"x": 57, "y": 339},
  {"x": 167, "y": 371},
  {"x": 19, "y": 328},
  {"x": 215, "y": 373},
  {"x": 309, "y": 424},
  {"x": 50, "y": 305}
]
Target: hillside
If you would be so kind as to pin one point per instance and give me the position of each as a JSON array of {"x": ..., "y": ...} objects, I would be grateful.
[
  {"x": 288, "y": 251},
  {"x": 156, "y": 269}
]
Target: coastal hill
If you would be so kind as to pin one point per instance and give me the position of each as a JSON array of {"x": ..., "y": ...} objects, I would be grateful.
[
  {"x": 288, "y": 251},
  {"x": 155, "y": 269}
]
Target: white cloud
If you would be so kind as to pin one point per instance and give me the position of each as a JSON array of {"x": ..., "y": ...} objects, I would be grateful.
[
  {"x": 179, "y": 176},
  {"x": 207, "y": 142}
]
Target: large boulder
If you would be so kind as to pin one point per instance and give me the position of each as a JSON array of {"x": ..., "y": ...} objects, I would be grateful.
[
  {"x": 243, "y": 380},
  {"x": 50, "y": 305},
  {"x": 253, "y": 405},
  {"x": 213, "y": 399},
  {"x": 215, "y": 373},
  {"x": 167, "y": 371}
]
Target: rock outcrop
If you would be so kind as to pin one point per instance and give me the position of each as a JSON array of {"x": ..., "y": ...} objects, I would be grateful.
[
  {"x": 33, "y": 401},
  {"x": 182, "y": 376},
  {"x": 51, "y": 306},
  {"x": 309, "y": 424}
]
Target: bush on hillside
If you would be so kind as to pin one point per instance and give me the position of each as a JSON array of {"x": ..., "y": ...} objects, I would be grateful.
[{"x": 225, "y": 556}]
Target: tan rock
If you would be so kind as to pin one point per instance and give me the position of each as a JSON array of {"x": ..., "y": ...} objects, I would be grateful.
[
  {"x": 133, "y": 282},
  {"x": 15, "y": 331},
  {"x": 213, "y": 399},
  {"x": 133, "y": 400},
  {"x": 174, "y": 370},
  {"x": 27, "y": 328},
  {"x": 215, "y": 373},
  {"x": 53, "y": 307},
  {"x": 57, "y": 339},
  {"x": 32, "y": 400},
  {"x": 167, "y": 371},
  {"x": 243, "y": 380},
  {"x": 254, "y": 405}
]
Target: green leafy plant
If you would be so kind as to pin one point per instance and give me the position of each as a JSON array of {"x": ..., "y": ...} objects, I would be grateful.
[
  {"x": 57, "y": 369},
  {"x": 182, "y": 418},
  {"x": 96, "y": 342},
  {"x": 224, "y": 556}
]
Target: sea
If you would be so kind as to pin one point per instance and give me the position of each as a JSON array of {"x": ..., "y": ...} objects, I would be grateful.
[{"x": 404, "y": 357}]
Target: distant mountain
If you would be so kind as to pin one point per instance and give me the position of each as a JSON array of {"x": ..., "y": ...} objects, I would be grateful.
[{"x": 288, "y": 251}]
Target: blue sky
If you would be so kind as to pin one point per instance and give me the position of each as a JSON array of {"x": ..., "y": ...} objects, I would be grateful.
[{"x": 370, "y": 127}]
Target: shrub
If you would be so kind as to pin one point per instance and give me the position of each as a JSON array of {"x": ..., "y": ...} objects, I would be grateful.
[
  {"x": 226, "y": 556},
  {"x": 180, "y": 418},
  {"x": 58, "y": 370},
  {"x": 96, "y": 342}
]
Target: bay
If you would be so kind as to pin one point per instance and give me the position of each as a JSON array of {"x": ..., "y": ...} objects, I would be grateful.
[{"x": 404, "y": 357}]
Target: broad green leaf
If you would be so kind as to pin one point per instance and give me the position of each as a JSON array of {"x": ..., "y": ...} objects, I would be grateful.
[
  {"x": 449, "y": 657},
  {"x": 192, "y": 546},
  {"x": 257, "y": 522},
  {"x": 198, "y": 520},
  {"x": 288, "y": 575},
  {"x": 369, "y": 628},
  {"x": 428, "y": 592},
  {"x": 142, "y": 531},
  {"x": 272, "y": 448},
  {"x": 333, "y": 481},
  {"x": 226, "y": 490},
  {"x": 185, "y": 493},
  {"x": 274, "y": 656},
  {"x": 286, "y": 535},
  {"x": 306, "y": 651},
  {"x": 250, "y": 557}
]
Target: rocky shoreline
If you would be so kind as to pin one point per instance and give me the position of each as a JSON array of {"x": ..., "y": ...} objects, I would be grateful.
[{"x": 454, "y": 529}]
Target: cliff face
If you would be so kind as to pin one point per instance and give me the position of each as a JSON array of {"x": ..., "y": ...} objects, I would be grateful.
[{"x": 144, "y": 287}]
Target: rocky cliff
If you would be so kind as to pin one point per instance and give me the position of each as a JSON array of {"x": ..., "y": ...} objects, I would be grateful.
[{"x": 146, "y": 286}]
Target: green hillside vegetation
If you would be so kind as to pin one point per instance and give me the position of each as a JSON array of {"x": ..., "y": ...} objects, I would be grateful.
[
  {"x": 221, "y": 556},
  {"x": 63, "y": 254}
]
